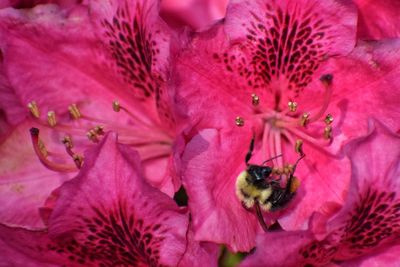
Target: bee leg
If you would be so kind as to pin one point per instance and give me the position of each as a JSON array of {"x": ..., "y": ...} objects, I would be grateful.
[
  {"x": 261, "y": 218},
  {"x": 291, "y": 176},
  {"x": 250, "y": 152}
]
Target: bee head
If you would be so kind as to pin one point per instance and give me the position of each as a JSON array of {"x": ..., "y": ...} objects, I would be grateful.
[{"x": 258, "y": 175}]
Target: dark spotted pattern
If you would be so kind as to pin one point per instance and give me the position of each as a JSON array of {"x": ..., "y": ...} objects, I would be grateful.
[
  {"x": 282, "y": 44},
  {"x": 113, "y": 238},
  {"x": 135, "y": 48},
  {"x": 375, "y": 221}
]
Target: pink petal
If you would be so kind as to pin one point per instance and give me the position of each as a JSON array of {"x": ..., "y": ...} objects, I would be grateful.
[
  {"x": 278, "y": 249},
  {"x": 24, "y": 182},
  {"x": 68, "y": 67},
  {"x": 369, "y": 90},
  {"x": 208, "y": 168},
  {"x": 378, "y": 20},
  {"x": 108, "y": 215},
  {"x": 294, "y": 37},
  {"x": 15, "y": 252},
  {"x": 368, "y": 222},
  {"x": 138, "y": 42},
  {"x": 199, "y": 254},
  {"x": 196, "y": 14},
  {"x": 109, "y": 202}
]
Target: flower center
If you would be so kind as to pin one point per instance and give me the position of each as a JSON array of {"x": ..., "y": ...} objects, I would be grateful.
[
  {"x": 292, "y": 125},
  {"x": 149, "y": 138}
]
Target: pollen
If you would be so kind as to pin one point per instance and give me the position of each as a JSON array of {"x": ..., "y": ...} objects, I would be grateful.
[
  {"x": 328, "y": 132},
  {"x": 239, "y": 121},
  {"x": 51, "y": 118},
  {"x": 304, "y": 119},
  {"x": 34, "y": 109},
  {"x": 116, "y": 106},
  {"x": 93, "y": 134},
  {"x": 67, "y": 141},
  {"x": 292, "y": 106},
  {"x": 328, "y": 119},
  {"x": 255, "y": 99},
  {"x": 74, "y": 111},
  {"x": 78, "y": 159},
  {"x": 299, "y": 147}
]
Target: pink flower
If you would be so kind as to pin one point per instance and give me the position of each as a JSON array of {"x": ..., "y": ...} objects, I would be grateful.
[
  {"x": 108, "y": 216},
  {"x": 283, "y": 71},
  {"x": 79, "y": 69},
  {"x": 365, "y": 232}
]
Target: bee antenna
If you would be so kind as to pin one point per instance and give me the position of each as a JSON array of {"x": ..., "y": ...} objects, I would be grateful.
[
  {"x": 271, "y": 159},
  {"x": 297, "y": 161}
]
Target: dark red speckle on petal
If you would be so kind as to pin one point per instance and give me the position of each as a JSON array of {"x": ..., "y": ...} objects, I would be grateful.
[
  {"x": 112, "y": 238},
  {"x": 282, "y": 44},
  {"x": 134, "y": 49},
  {"x": 374, "y": 222}
]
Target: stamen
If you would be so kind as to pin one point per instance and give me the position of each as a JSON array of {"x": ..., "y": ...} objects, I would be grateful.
[
  {"x": 327, "y": 82},
  {"x": 328, "y": 132},
  {"x": 34, "y": 109},
  {"x": 317, "y": 142},
  {"x": 292, "y": 106},
  {"x": 51, "y": 118},
  {"x": 139, "y": 120},
  {"x": 116, "y": 106},
  {"x": 299, "y": 146},
  {"x": 94, "y": 133},
  {"x": 43, "y": 158},
  {"x": 328, "y": 119},
  {"x": 255, "y": 99},
  {"x": 92, "y": 136},
  {"x": 304, "y": 119},
  {"x": 67, "y": 141},
  {"x": 278, "y": 147},
  {"x": 239, "y": 121},
  {"x": 74, "y": 111},
  {"x": 78, "y": 159}
]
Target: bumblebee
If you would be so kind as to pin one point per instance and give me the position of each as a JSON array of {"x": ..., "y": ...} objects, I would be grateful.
[{"x": 257, "y": 186}]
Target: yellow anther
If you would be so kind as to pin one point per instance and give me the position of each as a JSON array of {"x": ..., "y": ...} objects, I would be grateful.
[
  {"x": 67, "y": 141},
  {"x": 328, "y": 132},
  {"x": 304, "y": 119},
  {"x": 74, "y": 111},
  {"x": 78, "y": 159},
  {"x": 328, "y": 119},
  {"x": 116, "y": 106},
  {"x": 239, "y": 121},
  {"x": 42, "y": 148},
  {"x": 292, "y": 106},
  {"x": 299, "y": 147},
  {"x": 34, "y": 109},
  {"x": 51, "y": 118},
  {"x": 255, "y": 99},
  {"x": 91, "y": 134}
]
